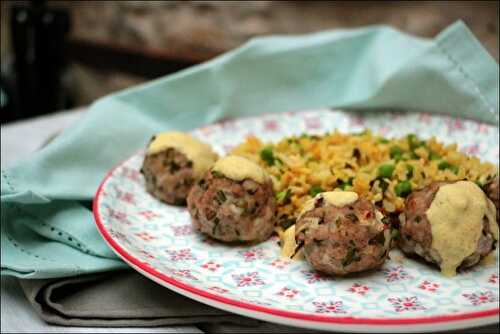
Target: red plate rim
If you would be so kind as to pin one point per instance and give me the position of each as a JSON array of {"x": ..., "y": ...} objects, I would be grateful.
[{"x": 266, "y": 310}]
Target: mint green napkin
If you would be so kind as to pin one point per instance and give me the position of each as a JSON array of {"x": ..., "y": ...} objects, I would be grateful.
[{"x": 47, "y": 229}]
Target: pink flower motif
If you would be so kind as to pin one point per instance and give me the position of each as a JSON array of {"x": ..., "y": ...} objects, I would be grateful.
[
  {"x": 455, "y": 124},
  {"x": 383, "y": 130},
  {"x": 271, "y": 125},
  {"x": 218, "y": 290},
  {"x": 131, "y": 174},
  {"x": 359, "y": 289},
  {"x": 406, "y": 304},
  {"x": 149, "y": 214},
  {"x": 483, "y": 128},
  {"x": 119, "y": 216},
  {"x": 280, "y": 263},
  {"x": 493, "y": 279},
  {"x": 329, "y": 307},
  {"x": 314, "y": 276},
  {"x": 472, "y": 149},
  {"x": 181, "y": 255},
  {"x": 313, "y": 123},
  {"x": 429, "y": 286},
  {"x": 425, "y": 118},
  {"x": 125, "y": 196},
  {"x": 145, "y": 236},
  {"x": 212, "y": 266},
  {"x": 182, "y": 230},
  {"x": 252, "y": 254},
  {"x": 481, "y": 297},
  {"x": 248, "y": 279},
  {"x": 287, "y": 292},
  {"x": 147, "y": 254},
  {"x": 186, "y": 273},
  {"x": 396, "y": 274}
]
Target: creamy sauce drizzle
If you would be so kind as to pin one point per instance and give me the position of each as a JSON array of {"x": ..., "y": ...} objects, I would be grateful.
[
  {"x": 335, "y": 198},
  {"x": 198, "y": 152},
  {"x": 456, "y": 219},
  {"x": 238, "y": 168}
]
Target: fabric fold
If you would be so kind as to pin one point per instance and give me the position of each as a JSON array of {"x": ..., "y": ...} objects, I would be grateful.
[{"x": 107, "y": 300}]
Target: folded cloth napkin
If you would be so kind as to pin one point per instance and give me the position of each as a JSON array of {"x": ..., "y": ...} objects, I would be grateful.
[
  {"x": 47, "y": 230},
  {"x": 111, "y": 300}
]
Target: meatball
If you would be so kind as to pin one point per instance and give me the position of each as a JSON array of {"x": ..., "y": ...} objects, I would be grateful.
[
  {"x": 418, "y": 231},
  {"x": 168, "y": 175},
  {"x": 231, "y": 207},
  {"x": 492, "y": 190},
  {"x": 173, "y": 162},
  {"x": 343, "y": 238}
]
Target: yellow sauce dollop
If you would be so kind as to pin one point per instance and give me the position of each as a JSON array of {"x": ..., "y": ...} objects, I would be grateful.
[
  {"x": 335, "y": 198},
  {"x": 456, "y": 218},
  {"x": 199, "y": 153},
  {"x": 238, "y": 168}
]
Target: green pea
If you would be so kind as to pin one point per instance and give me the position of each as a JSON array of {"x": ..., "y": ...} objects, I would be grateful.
[
  {"x": 344, "y": 184},
  {"x": 446, "y": 165},
  {"x": 403, "y": 188},
  {"x": 386, "y": 170},
  {"x": 267, "y": 155},
  {"x": 396, "y": 152},
  {"x": 383, "y": 141}
]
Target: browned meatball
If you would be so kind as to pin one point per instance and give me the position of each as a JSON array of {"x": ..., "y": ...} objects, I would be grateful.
[
  {"x": 416, "y": 234},
  {"x": 169, "y": 176},
  {"x": 343, "y": 240},
  {"x": 230, "y": 210},
  {"x": 492, "y": 190}
]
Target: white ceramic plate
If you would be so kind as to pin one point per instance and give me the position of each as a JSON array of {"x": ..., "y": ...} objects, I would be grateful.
[{"x": 157, "y": 240}]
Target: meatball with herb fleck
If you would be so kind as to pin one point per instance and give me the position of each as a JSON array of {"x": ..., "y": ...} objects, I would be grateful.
[
  {"x": 450, "y": 224},
  {"x": 174, "y": 161},
  {"x": 233, "y": 202},
  {"x": 342, "y": 233}
]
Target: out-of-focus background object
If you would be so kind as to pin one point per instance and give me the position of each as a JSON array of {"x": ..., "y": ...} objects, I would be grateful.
[{"x": 113, "y": 45}]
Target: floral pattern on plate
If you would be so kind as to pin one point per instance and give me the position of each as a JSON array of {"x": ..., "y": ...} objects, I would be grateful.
[{"x": 161, "y": 237}]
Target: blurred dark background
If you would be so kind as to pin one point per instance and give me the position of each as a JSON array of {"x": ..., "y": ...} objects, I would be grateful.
[{"x": 57, "y": 55}]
